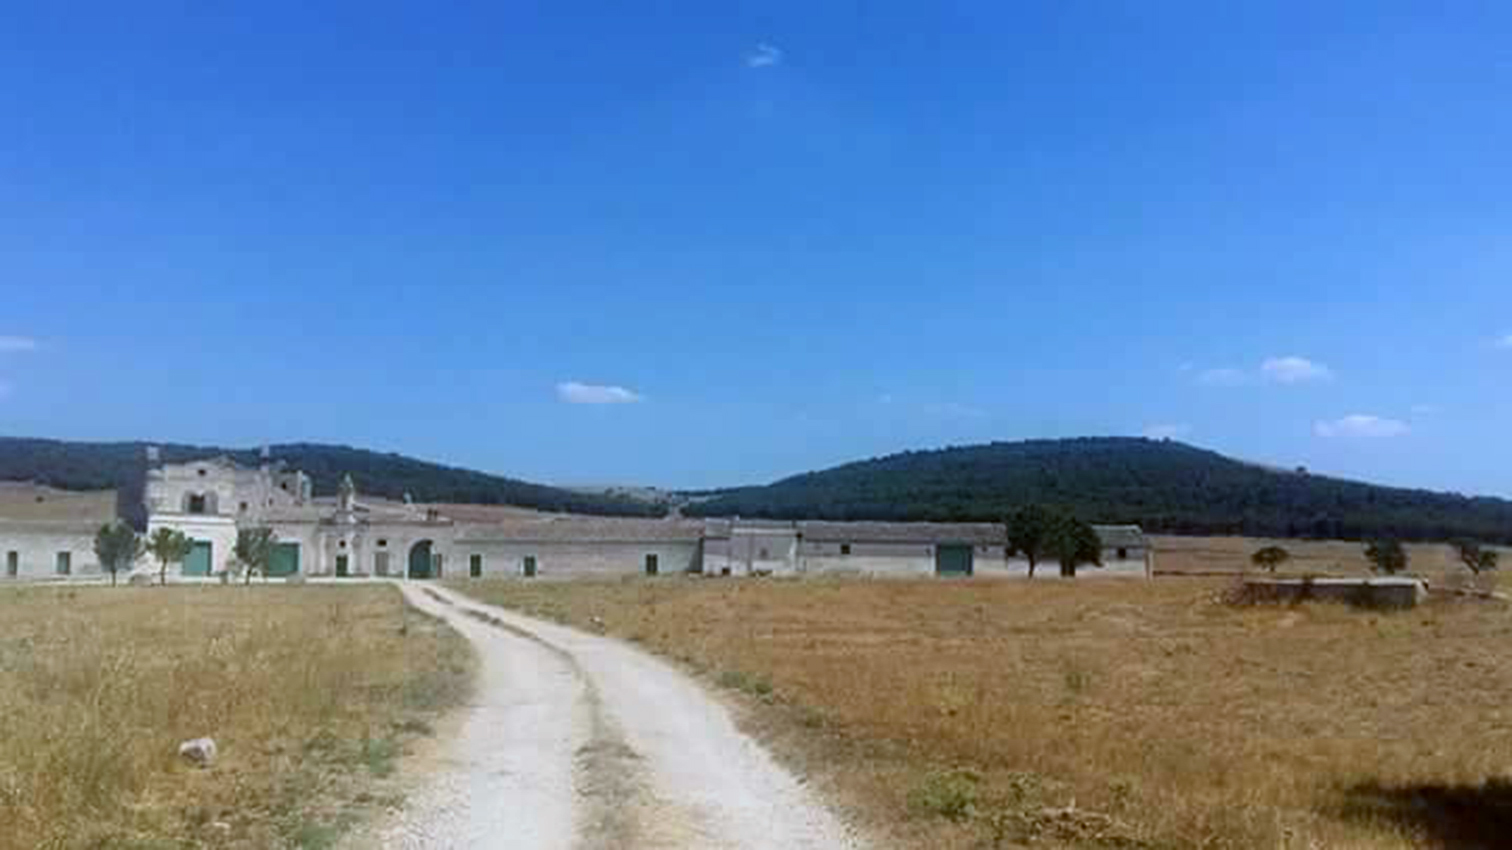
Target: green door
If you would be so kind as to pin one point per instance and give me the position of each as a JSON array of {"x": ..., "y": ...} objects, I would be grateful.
[
  {"x": 200, "y": 558},
  {"x": 285, "y": 560},
  {"x": 953, "y": 560},
  {"x": 530, "y": 566},
  {"x": 653, "y": 565},
  {"x": 420, "y": 560},
  {"x": 342, "y": 571}
]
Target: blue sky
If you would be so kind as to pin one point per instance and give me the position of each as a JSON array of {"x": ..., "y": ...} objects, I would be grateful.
[{"x": 703, "y": 243}]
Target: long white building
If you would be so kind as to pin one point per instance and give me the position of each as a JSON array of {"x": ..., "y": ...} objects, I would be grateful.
[{"x": 47, "y": 534}]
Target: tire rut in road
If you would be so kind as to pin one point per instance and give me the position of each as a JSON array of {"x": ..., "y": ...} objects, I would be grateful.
[{"x": 621, "y": 810}]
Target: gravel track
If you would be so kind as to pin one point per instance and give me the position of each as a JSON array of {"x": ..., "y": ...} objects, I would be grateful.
[{"x": 581, "y": 742}]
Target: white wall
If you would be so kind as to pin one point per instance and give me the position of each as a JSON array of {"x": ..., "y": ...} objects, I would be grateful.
[
  {"x": 220, "y": 531},
  {"x": 573, "y": 560},
  {"x": 37, "y": 545}
]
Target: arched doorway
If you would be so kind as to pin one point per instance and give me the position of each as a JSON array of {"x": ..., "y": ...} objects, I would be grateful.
[{"x": 420, "y": 560}]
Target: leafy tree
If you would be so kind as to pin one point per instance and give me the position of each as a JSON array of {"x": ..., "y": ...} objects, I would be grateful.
[
  {"x": 1029, "y": 533},
  {"x": 254, "y": 550},
  {"x": 1074, "y": 543},
  {"x": 1270, "y": 557},
  {"x": 1474, "y": 556},
  {"x": 168, "y": 546},
  {"x": 1388, "y": 557},
  {"x": 117, "y": 546}
]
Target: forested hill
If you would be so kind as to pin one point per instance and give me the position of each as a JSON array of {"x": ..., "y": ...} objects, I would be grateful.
[
  {"x": 94, "y": 466},
  {"x": 1164, "y": 486}
]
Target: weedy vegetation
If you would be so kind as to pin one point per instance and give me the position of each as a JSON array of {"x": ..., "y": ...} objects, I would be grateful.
[
  {"x": 312, "y": 695},
  {"x": 977, "y": 714}
]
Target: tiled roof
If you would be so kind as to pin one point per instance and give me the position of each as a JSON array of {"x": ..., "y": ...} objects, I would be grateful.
[
  {"x": 25, "y": 501},
  {"x": 1121, "y": 536},
  {"x": 975, "y": 533},
  {"x": 582, "y": 529}
]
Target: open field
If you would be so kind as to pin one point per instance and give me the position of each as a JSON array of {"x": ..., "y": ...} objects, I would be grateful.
[
  {"x": 968, "y": 714},
  {"x": 1226, "y": 555},
  {"x": 312, "y": 693}
]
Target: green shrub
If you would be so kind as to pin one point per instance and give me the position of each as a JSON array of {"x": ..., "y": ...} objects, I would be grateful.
[{"x": 950, "y": 794}]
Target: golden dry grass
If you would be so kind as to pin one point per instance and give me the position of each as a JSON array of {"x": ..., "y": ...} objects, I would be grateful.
[
  {"x": 310, "y": 692},
  {"x": 966, "y": 714},
  {"x": 1225, "y": 555}
]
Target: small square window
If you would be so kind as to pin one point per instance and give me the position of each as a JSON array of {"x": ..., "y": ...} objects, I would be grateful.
[
  {"x": 1123, "y": 553},
  {"x": 382, "y": 542},
  {"x": 243, "y": 507},
  {"x": 202, "y": 473},
  {"x": 845, "y": 548}
]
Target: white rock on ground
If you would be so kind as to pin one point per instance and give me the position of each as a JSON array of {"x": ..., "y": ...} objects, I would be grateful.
[
  {"x": 199, "y": 752},
  {"x": 582, "y": 742}
]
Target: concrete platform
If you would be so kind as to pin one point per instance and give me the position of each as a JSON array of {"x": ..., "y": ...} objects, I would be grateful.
[{"x": 1365, "y": 592}]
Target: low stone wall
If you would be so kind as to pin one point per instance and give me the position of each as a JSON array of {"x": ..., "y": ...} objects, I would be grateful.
[{"x": 1391, "y": 592}]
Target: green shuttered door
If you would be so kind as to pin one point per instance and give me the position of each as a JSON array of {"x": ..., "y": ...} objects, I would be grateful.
[
  {"x": 285, "y": 560},
  {"x": 953, "y": 560},
  {"x": 200, "y": 558}
]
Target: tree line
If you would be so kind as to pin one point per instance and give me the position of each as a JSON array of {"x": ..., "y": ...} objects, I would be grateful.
[
  {"x": 123, "y": 467},
  {"x": 1163, "y": 486}
]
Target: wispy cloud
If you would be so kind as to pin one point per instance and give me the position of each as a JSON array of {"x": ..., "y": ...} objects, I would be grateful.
[
  {"x": 764, "y": 55},
  {"x": 1362, "y": 425},
  {"x": 1223, "y": 377},
  {"x": 1504, "y": 342},
  {"x": 1294, "y": 370},
  {"x": 17, "y": 343},
  {"x": 1167, "y": 431},
  {"x": 1273, "y": 370},
  {"x": 574, "y": 392}
]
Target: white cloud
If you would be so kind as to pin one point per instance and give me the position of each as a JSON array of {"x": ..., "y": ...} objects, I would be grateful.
[
  {"x": 1294, "y": 370},
  {"x": 17, "y": 343},
  {"x": 1505, "y": 342},
  {"x": 1169, "y": 431},
  {"x": 764, "y": 56},
  {"x": 1362, "y": 425},
  {"x": 573, "y": 392},
  {"x": 1222, "y": 378}
]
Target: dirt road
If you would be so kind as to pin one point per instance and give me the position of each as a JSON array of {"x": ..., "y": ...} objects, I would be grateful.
[{"x": 579, "y": 742}]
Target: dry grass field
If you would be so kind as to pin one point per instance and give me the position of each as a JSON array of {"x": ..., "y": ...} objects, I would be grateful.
[
  {"x": 973, "y": 714},
  {"x": 311, "y": 693},
  {"x": 1224, "y": 555}
]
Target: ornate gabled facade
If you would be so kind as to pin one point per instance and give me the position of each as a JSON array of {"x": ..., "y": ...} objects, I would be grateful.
[{"x": 210, "y": 500}]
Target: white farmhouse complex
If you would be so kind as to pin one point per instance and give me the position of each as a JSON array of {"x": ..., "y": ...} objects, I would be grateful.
[{"x": 49, "y": 534}]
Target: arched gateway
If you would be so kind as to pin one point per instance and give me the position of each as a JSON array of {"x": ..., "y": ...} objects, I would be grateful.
[{"x": 421, "y": 560}]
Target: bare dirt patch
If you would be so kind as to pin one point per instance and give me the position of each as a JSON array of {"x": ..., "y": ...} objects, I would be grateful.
[
  {"x": 313, "y": 695},
  {"x": 967, "y": 714}
]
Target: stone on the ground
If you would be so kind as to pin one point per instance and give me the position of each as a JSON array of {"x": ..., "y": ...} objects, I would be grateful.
[{"x": 199, "y": 752}]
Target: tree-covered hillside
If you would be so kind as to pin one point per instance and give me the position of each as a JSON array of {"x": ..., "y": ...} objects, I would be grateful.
[
  {"x": 1164, "y": 486},
  {"x": 95, "y": 466}
]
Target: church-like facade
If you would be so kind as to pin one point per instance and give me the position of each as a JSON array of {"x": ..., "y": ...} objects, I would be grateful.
[{"x": 344, "y": 536}]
